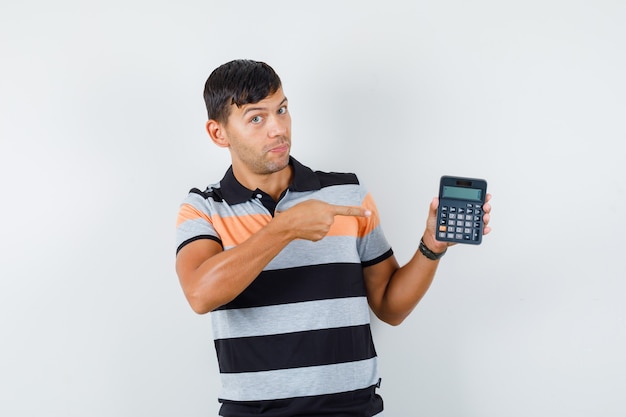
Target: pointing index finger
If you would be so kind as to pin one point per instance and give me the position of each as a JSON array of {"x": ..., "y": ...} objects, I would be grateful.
[{"x": 351, "y": 211}]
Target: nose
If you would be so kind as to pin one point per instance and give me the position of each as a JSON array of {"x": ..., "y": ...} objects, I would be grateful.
[{"x": 278, "y": 126}]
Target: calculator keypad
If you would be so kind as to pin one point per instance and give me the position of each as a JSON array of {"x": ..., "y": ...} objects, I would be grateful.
[{"x": 460, "y": 221}]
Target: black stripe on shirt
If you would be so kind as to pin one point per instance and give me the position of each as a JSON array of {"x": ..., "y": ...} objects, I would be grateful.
[
  {"x": 295, "y": 350},
  {"x": 199, "y": 237},
  {"x": 362, "y": 402},
  {"x": 378, "y": 259},
  {"x": 329, "y": 179},
  {"x": 299, "y": 284}
]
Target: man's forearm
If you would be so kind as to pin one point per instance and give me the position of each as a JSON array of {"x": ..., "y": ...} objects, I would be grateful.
[
  {"x": 406, "y": 288},
  {"x": 222, "y": 277}
]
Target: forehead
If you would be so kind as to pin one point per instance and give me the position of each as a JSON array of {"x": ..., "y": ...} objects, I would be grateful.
[{"x": 273, "y": 100}]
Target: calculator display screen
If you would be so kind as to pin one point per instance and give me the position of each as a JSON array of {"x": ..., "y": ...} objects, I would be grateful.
[{"x": 462, "y": 193}]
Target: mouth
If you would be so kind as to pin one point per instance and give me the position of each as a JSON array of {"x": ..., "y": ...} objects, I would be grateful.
[{"x": 283, "y": 147}]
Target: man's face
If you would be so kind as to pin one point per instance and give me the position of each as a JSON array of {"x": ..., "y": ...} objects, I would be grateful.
[{"x": 259, "y": 135}]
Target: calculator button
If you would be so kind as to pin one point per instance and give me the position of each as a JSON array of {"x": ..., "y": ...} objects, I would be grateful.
[{"x": 460, "y": 221}]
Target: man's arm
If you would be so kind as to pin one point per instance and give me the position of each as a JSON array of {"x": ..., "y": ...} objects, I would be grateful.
[
  {"x": 211, "y": 277},
  {"x": 394, "y": 291}
]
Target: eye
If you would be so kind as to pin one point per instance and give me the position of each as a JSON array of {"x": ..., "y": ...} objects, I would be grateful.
[
  {"x": 256, "y": 119},
  {"x": 282, "y": 110}
]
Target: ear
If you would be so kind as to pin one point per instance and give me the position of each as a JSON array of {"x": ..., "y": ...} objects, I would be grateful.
[{"x": 217, "y": 133}]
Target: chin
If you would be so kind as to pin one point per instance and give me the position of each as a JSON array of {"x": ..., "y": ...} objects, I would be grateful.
[{"x": 279, "y": 165}]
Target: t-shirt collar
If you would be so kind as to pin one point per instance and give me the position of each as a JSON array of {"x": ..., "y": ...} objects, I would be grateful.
[{"x": 304, "y": 179}]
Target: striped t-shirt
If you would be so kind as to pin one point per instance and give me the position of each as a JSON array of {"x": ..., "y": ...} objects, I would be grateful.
[{"x": 298, "y": 339}]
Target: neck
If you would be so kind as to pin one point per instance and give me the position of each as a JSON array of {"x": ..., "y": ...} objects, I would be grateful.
[{"x": 273, "y": 184}]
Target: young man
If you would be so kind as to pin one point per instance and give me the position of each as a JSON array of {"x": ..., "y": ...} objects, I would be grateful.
[{"x": 289, "y": 262}]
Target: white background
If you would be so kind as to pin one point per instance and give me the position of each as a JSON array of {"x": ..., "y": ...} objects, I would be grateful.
[{"x": 101, "y": 128}]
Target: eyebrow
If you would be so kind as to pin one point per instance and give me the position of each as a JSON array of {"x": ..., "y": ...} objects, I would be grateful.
[{"x": 249, "y": 109}]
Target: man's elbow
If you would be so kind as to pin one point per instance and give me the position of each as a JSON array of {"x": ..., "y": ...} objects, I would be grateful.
[
  {"x": 199, "y": 309},
  {"x": 392, "y": 319},
  {"x": 395, "y": 322},
  {"x": 198, "y": 305}
]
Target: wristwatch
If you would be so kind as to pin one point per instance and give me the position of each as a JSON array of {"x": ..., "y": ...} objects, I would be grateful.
[{"x": 428, "y": 253}]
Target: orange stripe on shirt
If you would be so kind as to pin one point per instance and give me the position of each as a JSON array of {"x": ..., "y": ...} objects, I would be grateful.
[
  {"x": 235, "y": 230},
  {"x": 356, "y": 226},
  {"x": 369, "y": 223},
  {"x": 189, "y": 212}
]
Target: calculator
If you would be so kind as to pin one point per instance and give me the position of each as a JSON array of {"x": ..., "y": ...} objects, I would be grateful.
[{"x": 460, "y": 211}]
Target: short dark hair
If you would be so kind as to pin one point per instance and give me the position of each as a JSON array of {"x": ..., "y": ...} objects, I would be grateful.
[{"x": 242, "y": 81}]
